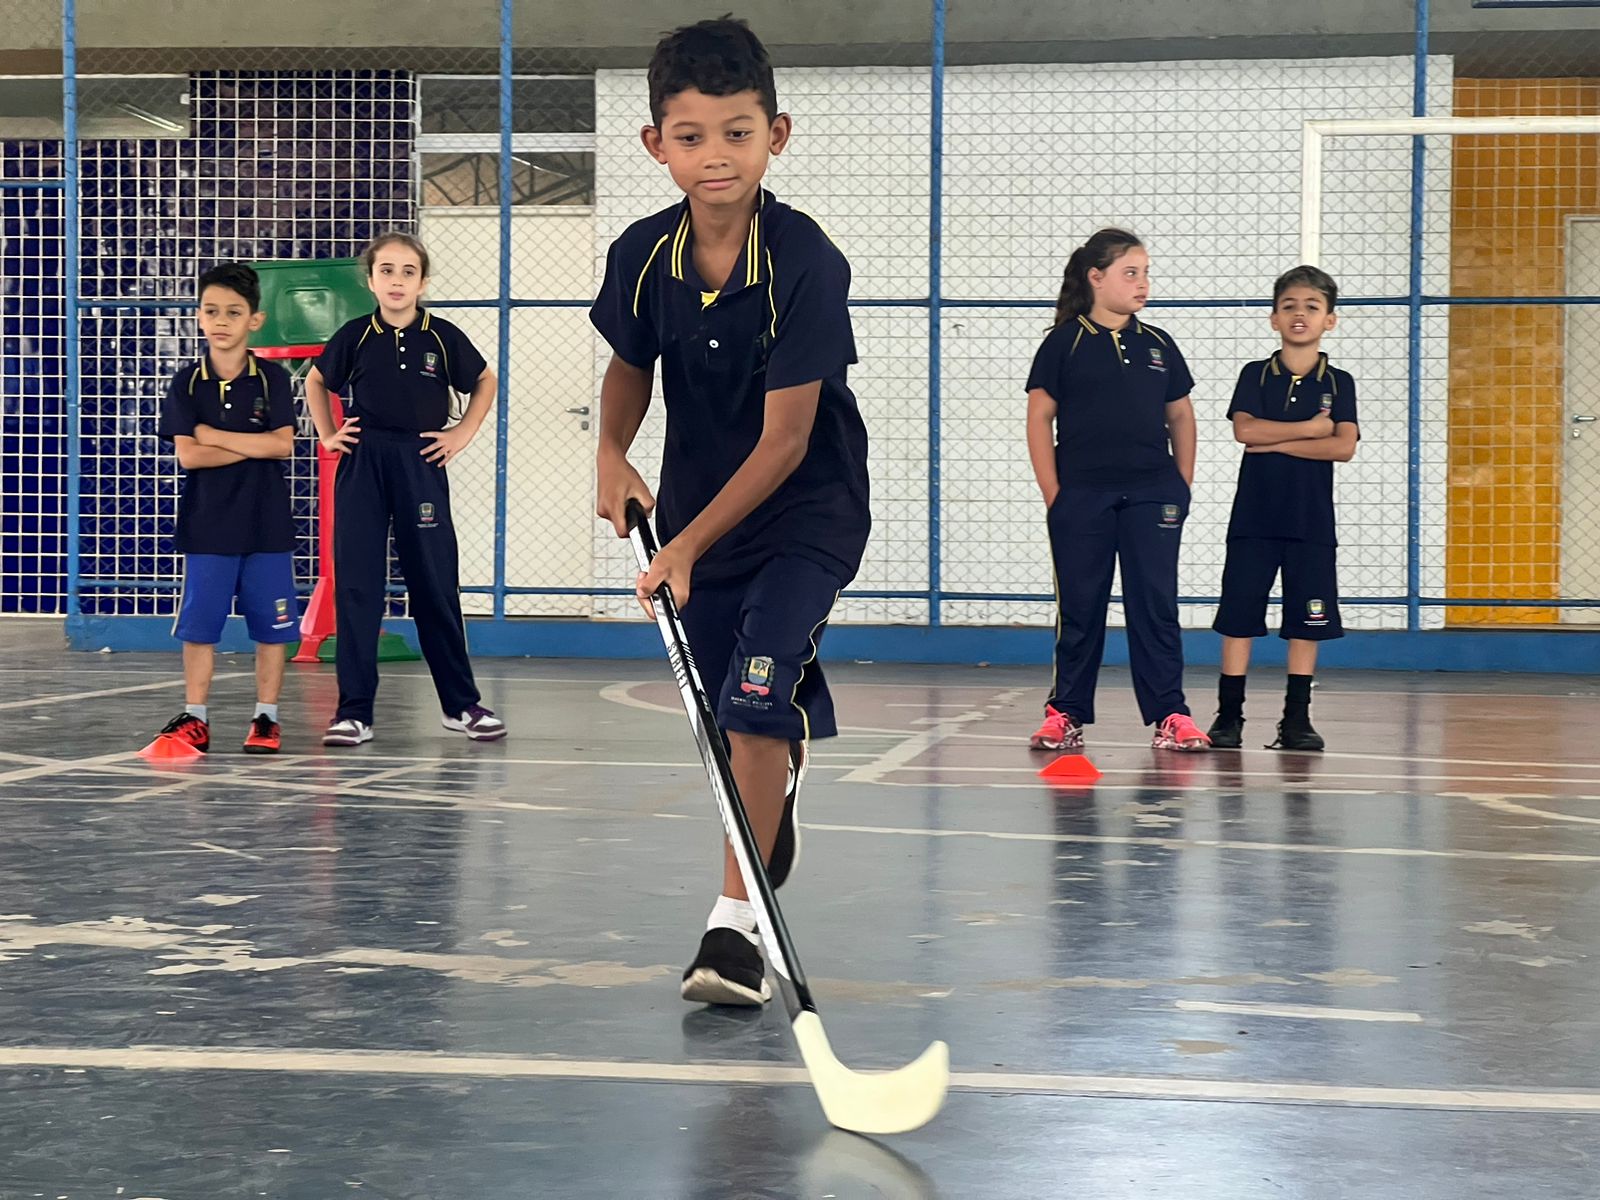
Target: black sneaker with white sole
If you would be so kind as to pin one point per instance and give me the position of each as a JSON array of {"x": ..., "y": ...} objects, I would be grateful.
[
  {"x": 786, "y": 850},
  {"x": 728, "y": 970}
]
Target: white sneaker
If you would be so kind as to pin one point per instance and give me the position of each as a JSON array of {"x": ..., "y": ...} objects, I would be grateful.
[
  {"x": 347, "y": 732},
  {"x": 478, "y": 723}
]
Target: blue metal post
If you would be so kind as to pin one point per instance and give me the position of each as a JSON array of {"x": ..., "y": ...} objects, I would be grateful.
[
  {"x": 935, "y": 253},
  {"x": 1419, "y": 108},
  {"x": 502, "y": 422},
  {"x": 71, "y": 275}
]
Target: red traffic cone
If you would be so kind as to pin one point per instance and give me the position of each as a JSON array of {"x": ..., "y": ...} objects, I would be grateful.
[
  {"x": 1071, "y": 769},
  {"x": 169, "y": 749}
]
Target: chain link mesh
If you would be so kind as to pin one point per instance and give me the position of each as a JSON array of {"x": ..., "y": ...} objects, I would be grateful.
[
  {"x": 285, "y": 146},
  {"x": 33, "y": 319},
  {"x": 1524, "y": 515}
]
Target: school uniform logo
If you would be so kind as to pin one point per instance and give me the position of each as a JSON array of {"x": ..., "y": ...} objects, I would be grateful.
[
  {"x": 1170, "y": 515},
  {"x": 1316, "y": 612},
  {"x": 426, "y": 516},
  {"x": 757, "y": 677},
  {"x": 1327, "y": 401},
  {"x": 755, "y": 684},
  {"x": 430, "y": 364},
  {"x": 281, "y": 612},
  {"x": 1157, "y": 363},
  {"x": 258, "y": 410}
]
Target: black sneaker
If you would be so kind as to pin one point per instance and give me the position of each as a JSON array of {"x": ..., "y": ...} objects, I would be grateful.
[
  {"x": 728, "y": 970},
  {"x": 1297, "y": 736},
  {"x": 1226, "y": 733},
  {"x": 786, "y": 850}
]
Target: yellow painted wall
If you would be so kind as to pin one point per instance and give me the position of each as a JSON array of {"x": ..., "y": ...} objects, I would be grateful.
[{"x": 1510, "y": 200}]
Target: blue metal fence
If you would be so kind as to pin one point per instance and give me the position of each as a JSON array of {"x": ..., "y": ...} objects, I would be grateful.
[{"x": 1416, "y": 303}]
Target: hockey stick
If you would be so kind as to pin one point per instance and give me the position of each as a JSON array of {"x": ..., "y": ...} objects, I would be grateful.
[{"x": 875, "y": 1102}]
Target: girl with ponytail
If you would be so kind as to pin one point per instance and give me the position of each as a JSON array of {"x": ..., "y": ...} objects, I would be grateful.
[{"x": 1111, "y": 434}]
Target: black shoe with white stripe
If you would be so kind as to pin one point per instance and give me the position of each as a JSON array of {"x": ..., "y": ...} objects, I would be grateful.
[
  {"x": 786, "y": 850},
  {"x": 728, "y": 970}
]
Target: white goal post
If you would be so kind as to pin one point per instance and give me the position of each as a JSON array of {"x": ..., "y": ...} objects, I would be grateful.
[{"x": 1315, "y": 132}]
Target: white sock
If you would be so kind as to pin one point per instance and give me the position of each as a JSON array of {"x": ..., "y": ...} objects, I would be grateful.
[
  {"x": 729, "y": 913},
  {"x": 270, "y": 711},
  {"x": 197, "y": 711}
]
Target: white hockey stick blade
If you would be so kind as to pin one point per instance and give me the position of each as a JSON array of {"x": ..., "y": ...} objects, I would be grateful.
[{"x": 875, "y": 1101}]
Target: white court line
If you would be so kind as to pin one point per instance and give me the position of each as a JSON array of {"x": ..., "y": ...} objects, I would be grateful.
[
  {"x": 1278, "y": 775},
  {"x": 872, "y": 772},
  {"x": 621, "y": 693},
  {"x": 45, "y": 767},
  {"x": 73, "y": 669},
  {"x": 409, "y": 800},
  {"x": 910, "y": 748},
  {"x": 1503, "y": 804},
  {"x": 65, "y": 697},
  {"x": 1326, "y": 755},
  {"x": 1310, "y": 1012},
  {"x": 382, "y": 776},
  {"x": 427, "y": 1064},
  {"x": 163, "y": 789},
  {"x": 213, "y": 848},
  {"x": 1168, "y": 843}
]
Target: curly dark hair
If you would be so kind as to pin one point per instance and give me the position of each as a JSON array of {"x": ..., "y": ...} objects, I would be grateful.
[{"x": 720, "y": 57}]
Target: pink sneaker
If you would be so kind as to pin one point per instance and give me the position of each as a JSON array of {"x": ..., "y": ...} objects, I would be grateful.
[
  {"x": 1179, "y": 732},
  {"x": 1059, "y": 732}
]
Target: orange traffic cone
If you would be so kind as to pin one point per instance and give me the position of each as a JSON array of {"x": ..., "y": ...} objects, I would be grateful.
[
  {"x": 167, "y": 748},
  {"x": 1071, "y": 770}
]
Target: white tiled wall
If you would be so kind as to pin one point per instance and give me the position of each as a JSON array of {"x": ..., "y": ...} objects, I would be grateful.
[{"x": 1202, "y": 159}]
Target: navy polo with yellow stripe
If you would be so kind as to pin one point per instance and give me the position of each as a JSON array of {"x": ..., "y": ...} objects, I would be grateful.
[
  {"x": 1280, "y": 495},
  {"x": 1111, "y": 388},
  {"x": 400, "y": 380},
  {"x": 241, "y": 508},
  {"x": 780, "y": 320}
]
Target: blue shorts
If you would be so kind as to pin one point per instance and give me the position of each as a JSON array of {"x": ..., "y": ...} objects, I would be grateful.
[
  {"x": 264, "y": 584},
  {"x": 755, "y": 642},
  {"x": 1310, "y": 589}
]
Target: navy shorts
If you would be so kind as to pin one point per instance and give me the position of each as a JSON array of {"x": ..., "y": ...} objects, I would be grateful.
[
  {"x": 755, "y": 642},
  {"x": 264, "y": 584},
  {"x": 1310, "y": 589}
]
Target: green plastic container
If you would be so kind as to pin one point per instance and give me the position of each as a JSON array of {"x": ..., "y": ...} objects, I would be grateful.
[{"x": 306, "y": 302}]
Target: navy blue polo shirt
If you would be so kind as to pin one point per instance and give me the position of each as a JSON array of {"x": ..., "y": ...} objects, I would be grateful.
[
  {"x": 1111, "y": 388},
  {"x": 780, "y": 320},
  {"x": 242, "y": 508},
  {"x": 1279, "y": 495},
  {"x": 400, "y": 380}
]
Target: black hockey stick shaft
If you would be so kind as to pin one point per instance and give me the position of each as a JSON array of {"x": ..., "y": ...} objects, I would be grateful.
[{"x": 719, "y": 769}]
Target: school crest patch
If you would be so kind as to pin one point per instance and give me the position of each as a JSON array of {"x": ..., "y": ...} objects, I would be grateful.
[
  {"x": 757, "y": 677},
  {"x": 1157, "y": 362},
  {"x": 1316, "y": 612},
  {"x": 281, "y": 610},
  {"x": 430, "y": 364},
  {"x": 426, "y": 516},
  {"x": 1169, "y": 515}
]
